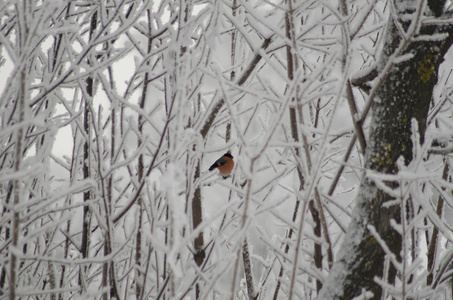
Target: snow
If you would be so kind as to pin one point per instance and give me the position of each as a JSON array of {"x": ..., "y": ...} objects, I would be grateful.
[{"x": 158, "y": 74}]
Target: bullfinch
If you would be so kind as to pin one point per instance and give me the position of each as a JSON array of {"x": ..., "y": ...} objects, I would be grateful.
[{"x": 225, "y": 164}]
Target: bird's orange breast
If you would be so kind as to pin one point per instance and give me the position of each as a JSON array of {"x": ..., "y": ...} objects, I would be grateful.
[{"x": 226, "y": 168}]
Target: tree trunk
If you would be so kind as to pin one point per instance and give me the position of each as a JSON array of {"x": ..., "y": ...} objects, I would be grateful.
[{"x": 404, "y": 95}]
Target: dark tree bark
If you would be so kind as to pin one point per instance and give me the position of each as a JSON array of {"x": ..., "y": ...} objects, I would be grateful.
[
  {"x": 404, "y": 95},
  {"x": 87, "y": 195}
]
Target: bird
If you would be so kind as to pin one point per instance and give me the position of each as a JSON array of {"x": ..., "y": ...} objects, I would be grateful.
[{"x": 225, "y": 165}]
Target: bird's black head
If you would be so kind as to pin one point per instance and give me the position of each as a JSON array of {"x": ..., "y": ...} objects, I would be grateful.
[{"x": 228, "y": 154}]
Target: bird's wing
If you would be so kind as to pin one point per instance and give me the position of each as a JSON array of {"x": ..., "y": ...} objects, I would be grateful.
[{"x": 220, "y": 162}]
